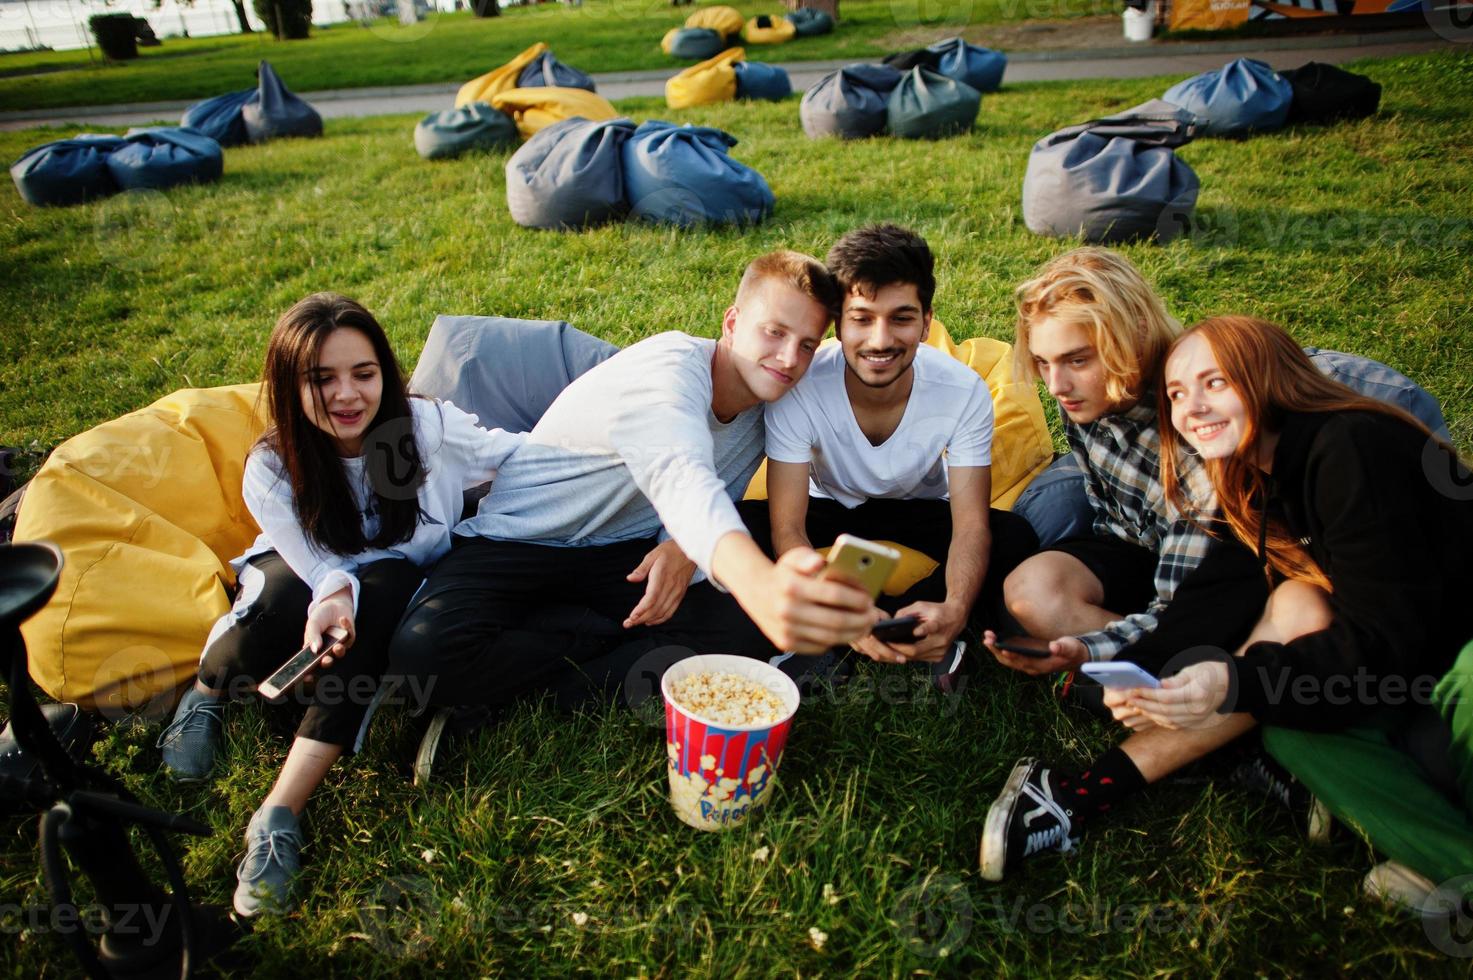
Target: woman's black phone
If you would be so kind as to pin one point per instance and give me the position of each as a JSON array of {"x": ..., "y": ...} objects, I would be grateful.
[
  {"x": 899, "y": 630},
  {"x": 1036, "y": 653}
]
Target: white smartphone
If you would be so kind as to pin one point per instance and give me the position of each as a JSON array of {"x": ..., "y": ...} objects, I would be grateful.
[
  {"x": 297, "y": 667},
  {"x": 1120, "y": 674},
  {"x": 861, "y": 561}
]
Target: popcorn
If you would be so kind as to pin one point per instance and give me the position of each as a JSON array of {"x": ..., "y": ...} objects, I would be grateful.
[{"x": 727, "y": 699}]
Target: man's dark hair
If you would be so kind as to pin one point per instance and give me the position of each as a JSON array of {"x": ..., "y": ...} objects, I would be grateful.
[{"x": 870, "y": 258}]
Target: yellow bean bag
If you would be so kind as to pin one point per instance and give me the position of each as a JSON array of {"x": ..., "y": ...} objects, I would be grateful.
[
  {"x": 483, "y": 87},
  {"x": 1021, "y": 445},
  {"x": 534, "y": 108},
  {"x": 713, "y": 80},
  {"x": 727, "y": 21},
  {"x": 768, "y": 30},
  {"x": 147, "y": 510}
]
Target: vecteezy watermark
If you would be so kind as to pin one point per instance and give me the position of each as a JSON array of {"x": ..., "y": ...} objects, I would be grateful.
[
  {"x": 1447, "y": 917},
  {"x": 1447, "y": 473},
  {"x": 393, "y": 463},
  {"x": 1097, "y": 915},
  {"x": 934, "y": 916},
  {"x": 131, "y": 919},
  {"x": 1451, "y": 20},
  {"x": 1284, "y": 230}
]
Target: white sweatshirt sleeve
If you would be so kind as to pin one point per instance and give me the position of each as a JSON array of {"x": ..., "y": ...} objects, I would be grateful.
[
  {"x": 660, "y": 432},
  {"x": 474, "y": 451},
  {"x": 268, "y": 496}
]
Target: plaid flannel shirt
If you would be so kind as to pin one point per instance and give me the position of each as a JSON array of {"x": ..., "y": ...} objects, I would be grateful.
[{"x": 1120, "y": 455}]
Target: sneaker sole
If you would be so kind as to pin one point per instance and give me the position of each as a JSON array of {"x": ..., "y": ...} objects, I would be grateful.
[
  {"x": 424, "y": 760},
  {"x": 994, "y": 855}
]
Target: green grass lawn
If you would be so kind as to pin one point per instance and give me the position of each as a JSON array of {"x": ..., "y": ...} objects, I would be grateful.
[
  {"x": 599, "y": 36},
  {"x": 546, "y": 845}
]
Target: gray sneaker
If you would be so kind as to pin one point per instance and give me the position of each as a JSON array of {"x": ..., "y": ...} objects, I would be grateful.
[
  {"x": 266, "y": 873},
  {"x": 189, "y": 742}
]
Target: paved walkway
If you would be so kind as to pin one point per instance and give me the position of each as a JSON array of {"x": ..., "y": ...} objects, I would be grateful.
[{"x": 1155, "y": 58}]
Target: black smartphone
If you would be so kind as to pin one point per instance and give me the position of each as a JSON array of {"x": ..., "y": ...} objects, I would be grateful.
[
  {"x": 1022, "y": 651},
  {"x": 297, "y": 667},
  {"x": 899, "y": 630}
]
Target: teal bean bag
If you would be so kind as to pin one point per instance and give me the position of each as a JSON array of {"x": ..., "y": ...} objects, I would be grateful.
[
  {"x": 474, "y": 126},
  {"x": 926, "y": 105}
]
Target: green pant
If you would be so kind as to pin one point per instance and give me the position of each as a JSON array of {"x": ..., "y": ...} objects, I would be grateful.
[{"x": 1369, "y": 783}]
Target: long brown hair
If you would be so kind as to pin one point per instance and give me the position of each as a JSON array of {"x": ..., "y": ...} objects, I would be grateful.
[
  {"x": 323, "y": 501},
  {"x": 1272, "y": 375}
]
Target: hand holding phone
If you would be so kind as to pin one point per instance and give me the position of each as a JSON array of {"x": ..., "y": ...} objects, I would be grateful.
[
  {"x": 898, "y": 630},
  {"x": 300, "y": 664},
  {"x": 1119, "y": 674},
  {"x": 1037, "y": 653}
]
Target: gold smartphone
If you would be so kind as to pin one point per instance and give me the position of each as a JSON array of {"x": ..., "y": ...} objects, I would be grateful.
[{"x": 864, "y": 562}]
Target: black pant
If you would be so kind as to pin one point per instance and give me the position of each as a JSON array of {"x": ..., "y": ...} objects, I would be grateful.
[
  {"x": 264, "y": 629},
  {"x": 498, "y": 619},
  {"x": 924, "y": 525}
]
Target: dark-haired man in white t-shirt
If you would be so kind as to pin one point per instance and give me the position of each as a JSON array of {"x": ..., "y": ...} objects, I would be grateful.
[{"x": 889, "y": 439}]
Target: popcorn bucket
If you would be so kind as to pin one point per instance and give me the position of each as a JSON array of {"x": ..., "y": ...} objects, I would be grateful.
[{"x": 721, "y": 773}]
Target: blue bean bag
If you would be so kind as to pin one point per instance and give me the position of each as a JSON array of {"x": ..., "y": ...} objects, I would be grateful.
[
  {"x": 850, "y": 103},
  {"x": 1114, "y": 179},
  {"x": 546, "y": 71},
  {"x": 696, "y": 43},
  {"x": 809, "y": 22},
  {"x": 66, "y": 171},
  {"x": 219, "y": 118},
  {"x": 926, "y": 105},
  {"x": 1242, "y": 96},
  {"x": 161, "y": 157},
  {"x": 980, "y": 68},
  {"x": 757, "y": 80},
  {"x": 277, "y": 112},
  {"x": 683, "y": 175},
  {"x": 569, "y": 175},
  {"x": 474, "y": 126}
]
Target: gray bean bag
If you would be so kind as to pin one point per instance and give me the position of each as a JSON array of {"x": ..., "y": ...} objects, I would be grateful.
[
  {"x": 505, "y": 371},
  {"x": 546, "y": 71},
  {"x": 277, "y": 112},
  {"x": 66, "y": 171},
  {"x": 683, "y": 175},
  {"x": 474, "y": 126},
  {"x": 809, "y": 22},
  {"x": 219, "y": 118},
  {"x": 569, "y": 175},
  {"x": 697, "y": 43},
  {"x": 926, "y": 105},
  {"x": 1242, "y": 96},
  {"x": 161, "y": 157},
  {"x": 1114, "y": 179},
  {"x": 850, "y": 103}
]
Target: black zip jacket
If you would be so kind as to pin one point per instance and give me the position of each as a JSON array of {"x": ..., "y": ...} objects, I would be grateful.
[{"x": 1389, "y": 519}]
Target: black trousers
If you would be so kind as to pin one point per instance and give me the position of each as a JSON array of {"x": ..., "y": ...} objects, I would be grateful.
[
  {"x": 264, "y": 629},
  {"x": 924, "y": 525},
  {"x": 500, "y": 619}
]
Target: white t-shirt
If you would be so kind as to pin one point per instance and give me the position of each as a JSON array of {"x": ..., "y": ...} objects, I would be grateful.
[
  {"x": 626, "y": 448},
  {"x": 457, "y": 453},
  {"x": 947, "y": 422}
]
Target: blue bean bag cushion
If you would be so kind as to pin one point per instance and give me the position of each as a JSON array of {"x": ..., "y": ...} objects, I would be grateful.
[
  {"x": 696, "y": 43},
  {"x": 1113, "y": 179},
  {"x": 474, "y": 126},
  {"x": 683, "y": 175},
  {"x": 66, "y": 171},
  {"x": 569, "y": 175},
  {"x": 277, "y": 112},
  {"x": 850, "y": 103},
  {"x": 980, "y": 68},
  {"x": 809, "y": 22},
  {"x": 1242, "y": 96},
  {"x": 219, "y": 118},
  {"x": 757, "y": 80},
  {"x": 158, "y": 158},
  {"x": 547, "y": 72},
  {"x": 926, "y": 105}
]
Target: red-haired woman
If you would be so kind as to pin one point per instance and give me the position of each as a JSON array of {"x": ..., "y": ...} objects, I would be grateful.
[
  {"x": 1361, "y": 669},
  {"x": 355, "y": 487}
]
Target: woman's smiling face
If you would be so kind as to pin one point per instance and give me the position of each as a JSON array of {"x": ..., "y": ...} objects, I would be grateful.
[{"x": 1205, "y": 409}]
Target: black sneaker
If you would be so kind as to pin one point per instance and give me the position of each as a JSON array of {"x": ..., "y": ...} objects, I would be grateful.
[
  {"x": 833, "y": 668},
  {"x": 1261, "y": 772},
  {"x": 949, "y": 674},
  {"x": 1024, "y": 820}
]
